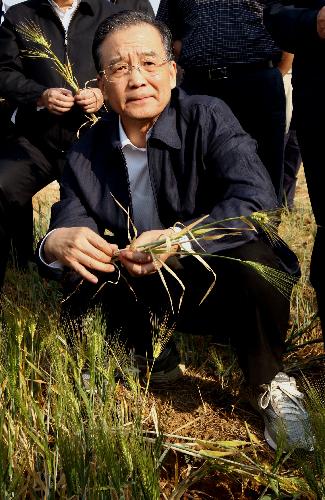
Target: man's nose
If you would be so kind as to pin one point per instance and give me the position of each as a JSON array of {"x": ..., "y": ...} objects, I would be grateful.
[{"x": 136, "y": 77}]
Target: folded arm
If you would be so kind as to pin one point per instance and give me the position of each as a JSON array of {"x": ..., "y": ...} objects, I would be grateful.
[{"x": 293, "y": 28}]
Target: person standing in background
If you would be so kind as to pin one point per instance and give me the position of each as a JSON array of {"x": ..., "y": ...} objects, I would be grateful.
[
  {"x": 49, "y": 114},
  {"x": 138, "y": 5},
  {"x": 299, "y": 27},
  {"x": 226, "y": 52},
  {"x": 292, "y": 156}
]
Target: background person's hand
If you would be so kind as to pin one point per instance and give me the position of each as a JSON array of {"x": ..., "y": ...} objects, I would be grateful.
[
  {"x": 140, "y": 263},
  {"x": 81, "y": 249},
  {"x": 56, "y": 100},
  {"x": 90, "y": 100},
  {"x": 321, "y": 23}
]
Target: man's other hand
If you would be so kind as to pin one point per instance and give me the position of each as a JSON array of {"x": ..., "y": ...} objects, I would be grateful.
[
  {"x": 81, "y": 249},
  {"x": 90, "y": 100},
  {"x": 57, "y": 101},
  {"x": 321, "y": 23},
  {"x": 140, "y": 263}
]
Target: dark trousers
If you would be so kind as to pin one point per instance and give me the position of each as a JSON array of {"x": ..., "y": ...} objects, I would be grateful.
[
  {"x": 22, "y": 236},
  {"x": 24, "y": 170},
  {"x": 309, "y": 112},
  {"x": 257, "y": 99},
  {"x": 292, "y": 162},
  {"x": 242, "y": 307}
]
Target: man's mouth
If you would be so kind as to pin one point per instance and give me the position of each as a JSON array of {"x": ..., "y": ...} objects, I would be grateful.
[{"x": 138, "y": 98}]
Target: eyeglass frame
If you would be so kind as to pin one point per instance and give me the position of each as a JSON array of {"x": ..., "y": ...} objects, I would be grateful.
[{"x": 135, "y": 66}]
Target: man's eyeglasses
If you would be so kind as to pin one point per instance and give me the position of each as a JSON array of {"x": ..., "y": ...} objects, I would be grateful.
[{"x": 148, "y": 66}]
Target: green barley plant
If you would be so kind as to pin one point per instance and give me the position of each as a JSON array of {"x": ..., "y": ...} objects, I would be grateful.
[
  {"x": 312, "y": 465},
  {"x": 105, "y": 437},
  {"x": 59, "y": 436}
]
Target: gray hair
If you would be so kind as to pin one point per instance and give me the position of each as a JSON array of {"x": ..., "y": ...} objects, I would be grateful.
[{"x": 124, "y": 20}]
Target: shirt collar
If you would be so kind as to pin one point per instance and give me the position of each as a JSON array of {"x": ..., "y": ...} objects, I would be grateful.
[
  {"x": 59, "y": 9},
  {"x": 125, "y": 141},
  {"x": 87, "y": 6},
  {"x": 165, "y": 129}
]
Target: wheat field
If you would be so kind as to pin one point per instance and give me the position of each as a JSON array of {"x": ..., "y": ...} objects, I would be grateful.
[{"x": 116, "y": 437}]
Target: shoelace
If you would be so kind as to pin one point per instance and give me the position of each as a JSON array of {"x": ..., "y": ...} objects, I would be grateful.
[{"x": 284, "y": 398}]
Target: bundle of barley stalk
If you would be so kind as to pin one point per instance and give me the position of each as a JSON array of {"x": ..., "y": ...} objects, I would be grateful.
[
  {"x": 197, "y": 233},
  {"x": 32, "y": 33}
]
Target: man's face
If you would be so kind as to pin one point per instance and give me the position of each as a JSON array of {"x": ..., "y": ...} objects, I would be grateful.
[{"x": 128, "y": 83}]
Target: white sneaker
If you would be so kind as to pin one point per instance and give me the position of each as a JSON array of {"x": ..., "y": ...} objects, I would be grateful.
[{"x": 281, "y": 405}]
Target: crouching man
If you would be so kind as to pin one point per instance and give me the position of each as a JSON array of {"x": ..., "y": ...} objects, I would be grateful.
[{"x": 167, "y": 157}]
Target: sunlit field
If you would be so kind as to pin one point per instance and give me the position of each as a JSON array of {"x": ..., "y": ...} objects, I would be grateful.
[{"x": 113, "y": 435}]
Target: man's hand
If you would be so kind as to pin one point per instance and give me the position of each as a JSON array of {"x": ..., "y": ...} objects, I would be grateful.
[
  {"x": 321, "y": 23},
  {"x": 81, "y": 249},
  {"x": 177, "y": 47},
  {"x": 90, "y": 100},
  {"x": 140, "y": 263},
  {"x": 57, "y": 101},
  {"x": 285, "y": 64}
]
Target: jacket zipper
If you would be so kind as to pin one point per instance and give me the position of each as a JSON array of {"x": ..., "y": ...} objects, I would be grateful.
[
  {"x": 129, "y": 187},
  {"x": 66, "y": 56},
  {"x": 65, "y": 43},
  {"x": 152, "y": 183}
]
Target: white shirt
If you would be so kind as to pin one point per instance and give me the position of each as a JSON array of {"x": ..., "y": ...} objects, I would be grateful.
[
  {"x": 65, "y": 15},
  {"x": 155, "y": 5},
  {"x": 145, "y": 212}
]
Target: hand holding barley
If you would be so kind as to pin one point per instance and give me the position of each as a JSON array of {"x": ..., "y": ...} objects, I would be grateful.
[
  {"x": 90, "y": 100},
  {"x": 56, "y": 100},
  {"x": 81, "y": 249},
  {"x": 139, "y": 263}
]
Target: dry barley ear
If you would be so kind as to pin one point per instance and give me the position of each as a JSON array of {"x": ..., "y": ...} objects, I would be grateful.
[{"x": 197, "y": 232}]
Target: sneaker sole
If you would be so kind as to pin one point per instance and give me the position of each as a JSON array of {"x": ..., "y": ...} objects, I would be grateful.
[
  {"x": 273, "y": 445},
  {"x": 269, "y": 440}
]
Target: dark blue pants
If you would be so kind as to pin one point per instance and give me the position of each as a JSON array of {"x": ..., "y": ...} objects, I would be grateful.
[
  {"x": 310, "y": 112},
  {"x": 242, "y": 307},
  {"x": 24, "y": 170},
  {"x": 292, "y": 162},
  {"x": 257, "y": 99},
  {"x": 22, "y": 234}
]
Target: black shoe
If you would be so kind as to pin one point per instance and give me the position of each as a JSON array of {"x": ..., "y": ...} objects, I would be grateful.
[{"x": 166, "y": 369}]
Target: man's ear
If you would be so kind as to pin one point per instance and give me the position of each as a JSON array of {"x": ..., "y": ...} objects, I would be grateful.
[
  {"x": 172, "y": 74},
  {"x": 100, "y": 81}
]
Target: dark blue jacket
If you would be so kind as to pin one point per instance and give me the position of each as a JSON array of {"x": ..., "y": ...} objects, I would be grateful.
[{"x": 200, "y": 162}]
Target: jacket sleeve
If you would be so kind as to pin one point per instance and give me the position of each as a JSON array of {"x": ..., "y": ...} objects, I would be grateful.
[
  {"x": 146, "y": 7},
  {"x": 237, "y": 173},
  {"x": 13, "y": 83},
  {"x": 292, "y": 27},
  {"x": 168, "y": 14},
  {"x": 70, "y": 210}
]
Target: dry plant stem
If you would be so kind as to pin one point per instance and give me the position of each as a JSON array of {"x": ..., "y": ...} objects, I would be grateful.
[
  {"x": 310, "y": 323},
  {"x": 196, "y": 232}
]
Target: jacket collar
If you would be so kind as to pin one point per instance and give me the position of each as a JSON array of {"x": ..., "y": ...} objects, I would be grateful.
[{"x": 165, "y": 129}]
